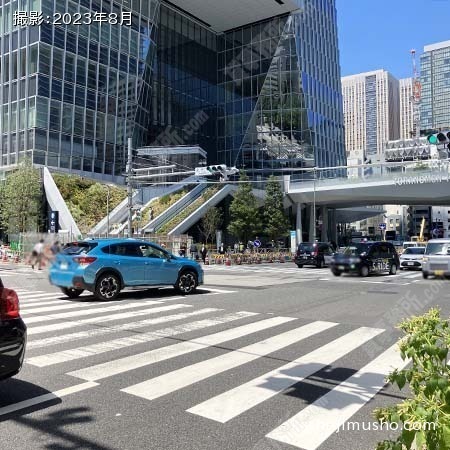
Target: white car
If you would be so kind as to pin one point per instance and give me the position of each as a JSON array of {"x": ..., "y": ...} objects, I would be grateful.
[{"x": 412, "y": 258}]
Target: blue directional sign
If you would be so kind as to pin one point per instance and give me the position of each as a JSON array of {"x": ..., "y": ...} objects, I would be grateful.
[
  {"x": 382, "y": 226},
  {"x": 53, "y": 219},
  {"x": 257, "y": 243}
]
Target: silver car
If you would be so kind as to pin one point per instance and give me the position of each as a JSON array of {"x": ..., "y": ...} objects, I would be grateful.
[
  {"x": 412, "y": 258},
  {"x": 436, "y": 260}
]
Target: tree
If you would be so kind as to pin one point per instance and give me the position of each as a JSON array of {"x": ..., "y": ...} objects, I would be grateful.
[
  {"x": 245, "y": 219},
  {"x": 210, "y": 223},
  {"x": 275, "y": 220},
  {"x": 21, "y": 199}
]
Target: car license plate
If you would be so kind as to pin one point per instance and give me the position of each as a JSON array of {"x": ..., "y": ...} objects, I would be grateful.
[
  {"x": 64, "y": 266},
  {"x": 439, "y": 273},
  {"x": 409, "y": 263},
  {"x": 341, "y": 267}
]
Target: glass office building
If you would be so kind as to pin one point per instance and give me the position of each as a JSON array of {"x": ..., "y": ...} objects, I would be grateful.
[
  {"x": 435, "y": 78},
  {"x": 255, "y": 85}
]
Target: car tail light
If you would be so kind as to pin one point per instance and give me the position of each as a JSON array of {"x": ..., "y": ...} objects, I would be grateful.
[
  {"x": 9, "y": 304},
  {"x": 85, "y": 260}
]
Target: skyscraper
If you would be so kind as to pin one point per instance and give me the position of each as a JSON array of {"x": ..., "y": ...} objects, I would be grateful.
[
  {"x": 406, "y": 108},
  {"x": 254, "y": 85},
  {"x": 435, "y": 78},
  {"x": 371, "y": 111}
]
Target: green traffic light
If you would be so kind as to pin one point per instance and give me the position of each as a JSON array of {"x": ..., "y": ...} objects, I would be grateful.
[{"x": 433, "y": 139}]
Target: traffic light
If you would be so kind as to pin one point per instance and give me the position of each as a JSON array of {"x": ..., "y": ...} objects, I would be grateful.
[
  {"x": 219, "y": 169},
  {"x": 442, "y": 138}
]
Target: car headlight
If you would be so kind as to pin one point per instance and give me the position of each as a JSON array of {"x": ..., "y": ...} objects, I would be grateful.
[{"x": 425, "y": 259}]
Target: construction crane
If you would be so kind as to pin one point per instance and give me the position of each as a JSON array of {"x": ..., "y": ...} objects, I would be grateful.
[{"x": 416, "y": 98}]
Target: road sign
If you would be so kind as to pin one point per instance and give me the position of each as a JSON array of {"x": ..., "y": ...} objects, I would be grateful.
[
  {"x": 257, "y": 243},
  {"x": 53, "y": 219},
  {"x": 382, "y": 226}
]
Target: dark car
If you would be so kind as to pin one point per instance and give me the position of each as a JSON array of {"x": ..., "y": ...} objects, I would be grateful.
[
  {"x": 13, "y": 334},
  {"x": 317, "y": 254},
  {"x": 366, "y": 258}
]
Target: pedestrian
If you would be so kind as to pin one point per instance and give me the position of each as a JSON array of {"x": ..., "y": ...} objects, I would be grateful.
[
  {"x": 37, "y": 254},
  {"x": 55, "y": 248},
  {"x": 222, "y": 249},
  {"x": 236, "y": 247},
  {"x": 193, "y": 251},
  {"x": 183, "y": 250},
  {"x": 204, "y": 253}
]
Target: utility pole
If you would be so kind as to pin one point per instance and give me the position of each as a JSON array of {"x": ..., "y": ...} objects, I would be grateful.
[{"x": 130, "y": 187}]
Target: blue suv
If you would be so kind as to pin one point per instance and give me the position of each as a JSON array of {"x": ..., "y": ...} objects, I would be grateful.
[{"x": 106, "y": 266}]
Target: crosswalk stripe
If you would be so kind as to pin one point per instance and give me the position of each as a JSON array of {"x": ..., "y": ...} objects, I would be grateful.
[
  {"x": 126, "y": 364},
  {"x": 178, "y": 379},
  {"x": 234, "y": 402},
  {"x": 314, "y": 424},
  {"x": 413, "y": 275},
  {"x": 36, "y": 296},
  {"x": 117, "y": 328},
  {"x": 45, "y": 398},
  {"x": 64, "y": 305},
  {"x": 46, "y": 301},
  {"x": 102, "y": 319},
  {"x": 115, "y": 344},
  {"x": 89, "y": 312}
]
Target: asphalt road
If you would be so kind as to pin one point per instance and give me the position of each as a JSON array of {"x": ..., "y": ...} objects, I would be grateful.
[{"x": 261, "y": 358}]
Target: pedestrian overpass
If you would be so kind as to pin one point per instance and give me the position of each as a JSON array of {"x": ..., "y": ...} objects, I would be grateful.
[{"x": 406, "y": 183}]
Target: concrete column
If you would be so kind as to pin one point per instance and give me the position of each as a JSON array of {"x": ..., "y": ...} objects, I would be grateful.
[
  {"x": 299, "y": 226},
  {"x": 311, "y": 224},
  {"x": 324, "y": 213},
  {"x": 333, "y": 233}
]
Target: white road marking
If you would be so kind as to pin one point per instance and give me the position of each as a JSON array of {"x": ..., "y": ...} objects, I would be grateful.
[
  {"x": 89, "y": 312},
  {"x": 234, "y": 402},
  {"x": 46, "y": 397},
  {"x": 99, "y": 320},
  {"x": 178, "y": 379},
  {"x": 37, "y": 296},
  {"x": 115, "y": 344},
  {"x": 126, "y": 327},
  {"x": 313, "y": 425},
  {"x": 126, "y": 364}
]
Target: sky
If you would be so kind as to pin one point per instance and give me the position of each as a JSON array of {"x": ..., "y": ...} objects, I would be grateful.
[{"x": 379, "y": 34}]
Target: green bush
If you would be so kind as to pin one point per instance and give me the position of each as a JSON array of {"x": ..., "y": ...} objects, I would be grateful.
[
  {"x": 87, "y": 199},
  {"x": 426, "y": 344},
  {"x": 175, "y": 221}
]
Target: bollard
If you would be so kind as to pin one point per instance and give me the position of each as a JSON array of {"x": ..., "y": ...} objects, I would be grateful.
[
  {"x": 228, "y": 262},
  {"x": 206, "y": 261}
]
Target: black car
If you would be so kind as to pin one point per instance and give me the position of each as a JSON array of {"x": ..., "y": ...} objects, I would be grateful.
[
  {"x": 13, "y": 334},
  {"x": 366, "y": 258},
  {"x": 317, "y": 254}
]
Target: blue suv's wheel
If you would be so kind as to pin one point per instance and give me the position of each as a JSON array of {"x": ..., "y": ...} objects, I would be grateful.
[
  {"x": 187, "y": 282},
  {"x": 107, "y": 286}
]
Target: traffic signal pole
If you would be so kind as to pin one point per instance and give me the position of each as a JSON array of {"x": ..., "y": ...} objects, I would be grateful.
[{"x": 130, "y": 188}]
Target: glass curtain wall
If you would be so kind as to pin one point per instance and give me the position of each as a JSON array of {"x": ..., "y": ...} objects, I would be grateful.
[
  {"x": 72, "y": 94},
  {"x": 280, "y": 103},
  {"x": 185, "y": 84}
]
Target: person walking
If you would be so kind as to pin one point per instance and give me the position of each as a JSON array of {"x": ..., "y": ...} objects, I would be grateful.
[
  {"x": 37, "y": 254},
  {"x": 193, "y": 249},
  {"x": 204, "y": 253},
  {"x": 222, "y": 249}
]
